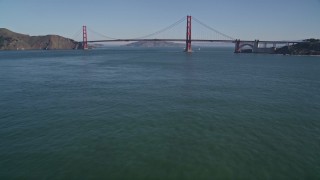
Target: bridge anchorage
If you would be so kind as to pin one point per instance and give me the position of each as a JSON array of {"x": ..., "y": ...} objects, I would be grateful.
[
  {"x": 256, "y": 46},
  {"x": 253, "y": 47}
]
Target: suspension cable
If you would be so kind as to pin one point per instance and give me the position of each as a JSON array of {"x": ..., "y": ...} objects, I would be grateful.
[
  {"x": 166, "y": 29},
  {"x": 212, "y": 29},
  {"x": 162, "y": 30},
  {"x": 108, "y": 37},
  {"x": 145, "y": 36},
  {"x": 77, "y": 34}
]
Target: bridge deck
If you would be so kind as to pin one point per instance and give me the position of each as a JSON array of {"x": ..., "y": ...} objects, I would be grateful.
[{"x": 193, "y": 40}]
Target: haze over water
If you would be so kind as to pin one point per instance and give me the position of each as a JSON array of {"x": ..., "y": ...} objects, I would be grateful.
[{"x": 159, "y": 114}]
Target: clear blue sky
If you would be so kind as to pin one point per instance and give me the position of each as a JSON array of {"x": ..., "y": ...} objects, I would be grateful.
[{"x": 243, "y": 19}]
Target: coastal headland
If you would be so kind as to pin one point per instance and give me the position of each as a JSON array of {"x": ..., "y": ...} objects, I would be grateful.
[{"x": 10, "y": 40}]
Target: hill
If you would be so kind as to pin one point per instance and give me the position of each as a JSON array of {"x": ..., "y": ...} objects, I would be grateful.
[
  {"x": 15, "y": 41},
  {"x": 307, "y": 47}
]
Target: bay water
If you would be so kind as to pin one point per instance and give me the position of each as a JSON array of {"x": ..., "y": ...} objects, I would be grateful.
[{"x": 158, "y": 113}]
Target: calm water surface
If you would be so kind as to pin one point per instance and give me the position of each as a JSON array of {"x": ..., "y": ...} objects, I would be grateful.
[{"x": 158, "y": 114}]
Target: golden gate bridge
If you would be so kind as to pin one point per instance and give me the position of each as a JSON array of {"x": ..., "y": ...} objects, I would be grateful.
[{"x": 255, "y": 46}]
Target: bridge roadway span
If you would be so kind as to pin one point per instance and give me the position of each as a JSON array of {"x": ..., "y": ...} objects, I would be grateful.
[{"x": 193, "y": 40}]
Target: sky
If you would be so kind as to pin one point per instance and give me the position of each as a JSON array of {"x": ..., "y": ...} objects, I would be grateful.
[{"x": 241, "y": 19}]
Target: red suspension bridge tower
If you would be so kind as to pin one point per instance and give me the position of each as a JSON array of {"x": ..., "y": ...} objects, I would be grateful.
[
  {"x": 188, "y": 34},
  {"x": 85, "y": 37}
]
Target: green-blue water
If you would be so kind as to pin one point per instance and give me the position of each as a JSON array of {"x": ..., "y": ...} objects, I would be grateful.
[{"x": 158, "y": 114}]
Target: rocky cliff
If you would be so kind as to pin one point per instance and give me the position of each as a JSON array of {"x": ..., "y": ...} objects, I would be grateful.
[{"x": 14, "y": 41}]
